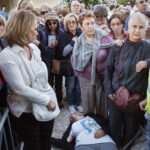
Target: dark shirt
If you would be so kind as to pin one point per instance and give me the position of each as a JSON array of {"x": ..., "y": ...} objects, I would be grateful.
[
  {"x": 66, "y": 39},
  {"x": 129, "y": 78}
]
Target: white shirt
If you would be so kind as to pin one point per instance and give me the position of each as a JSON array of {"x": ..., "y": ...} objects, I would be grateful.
[
  {"x": 13, "y": 70},
  {"x": 83, "y": 130}
]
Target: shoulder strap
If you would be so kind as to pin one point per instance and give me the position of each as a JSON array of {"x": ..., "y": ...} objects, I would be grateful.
[{"x": 120, "y": 58}]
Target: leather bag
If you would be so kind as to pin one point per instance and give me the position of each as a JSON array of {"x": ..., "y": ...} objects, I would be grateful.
[
  {"x": 123, "y": 99},
  {"x": 62, "y": 67}
]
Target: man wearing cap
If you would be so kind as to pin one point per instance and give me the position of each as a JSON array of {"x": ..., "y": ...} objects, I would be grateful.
[{"x": 142, "y": 6}]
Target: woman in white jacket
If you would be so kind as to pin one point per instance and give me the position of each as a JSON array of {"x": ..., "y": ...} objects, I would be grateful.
[{"x": 21, "y": 31}]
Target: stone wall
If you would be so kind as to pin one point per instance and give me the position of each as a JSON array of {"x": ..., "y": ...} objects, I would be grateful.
[{"x": 13, "y": 3}]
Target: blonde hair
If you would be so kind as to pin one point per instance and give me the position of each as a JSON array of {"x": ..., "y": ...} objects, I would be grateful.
[
  {"x": 18, "y": 26},
  {"x": 25, "y": 5},
  {"x": 67, "y": 18},
  {"x": 2, "y": 21}
]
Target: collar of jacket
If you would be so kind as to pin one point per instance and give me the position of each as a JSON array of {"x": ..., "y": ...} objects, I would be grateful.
[{"x": 17, "y": 48}]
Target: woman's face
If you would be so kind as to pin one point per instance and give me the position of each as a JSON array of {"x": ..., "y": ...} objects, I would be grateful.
[
  {"x": 1, "y": 30},
  {"x": 136, "y": 30},
  {"x": 116, "y": 25},
  {"x": 88, "y": 26},
  {"x": 72, "y": 24},
  {"x": 32, "y": 34},
  {"x": 52, "y": 24}
]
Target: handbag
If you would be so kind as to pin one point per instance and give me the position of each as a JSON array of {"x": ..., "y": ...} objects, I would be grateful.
[
  {"x": 41, "y": 112},
  {"x": 55, "y": 66},
  {"x": 123, "y": 99},
  {"x": 62, "y": 67}
]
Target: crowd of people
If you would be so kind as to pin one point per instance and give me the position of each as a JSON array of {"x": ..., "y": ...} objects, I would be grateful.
[{"x": 97, "y": 51}]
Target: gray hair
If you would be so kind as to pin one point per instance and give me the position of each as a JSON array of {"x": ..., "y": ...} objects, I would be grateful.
[{"x": 138, "y": 16}]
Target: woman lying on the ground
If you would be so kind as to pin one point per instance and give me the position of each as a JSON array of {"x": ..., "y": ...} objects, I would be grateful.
[
  {"x": 89, "y": 134},
  {"x": 94, "y": 134}
]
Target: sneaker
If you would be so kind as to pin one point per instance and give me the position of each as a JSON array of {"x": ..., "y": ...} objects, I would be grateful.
[
  {"x": 79, "y": 108},
  {"x": 72, "y": 109}
]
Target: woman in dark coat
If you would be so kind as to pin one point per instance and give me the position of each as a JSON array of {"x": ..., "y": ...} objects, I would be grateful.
[{"x": 123, "y": 125}]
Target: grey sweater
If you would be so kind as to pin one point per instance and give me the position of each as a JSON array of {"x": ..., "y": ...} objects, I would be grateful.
[{"x": 129, "y": 78}]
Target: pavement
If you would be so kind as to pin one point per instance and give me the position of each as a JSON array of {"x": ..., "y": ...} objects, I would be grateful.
[{"x": 62, "y": 122}]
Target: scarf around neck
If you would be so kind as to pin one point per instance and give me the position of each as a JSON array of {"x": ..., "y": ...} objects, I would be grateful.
[{"x": 83, "y": 51}]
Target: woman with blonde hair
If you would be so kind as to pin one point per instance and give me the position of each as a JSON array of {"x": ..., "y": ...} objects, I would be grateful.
[
  {"x": 68, "y": 39},
  {"x": 25, "y": 5},
  {"x": 17, "y": 62}
]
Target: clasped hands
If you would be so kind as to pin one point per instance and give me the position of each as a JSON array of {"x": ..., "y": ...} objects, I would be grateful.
[{"x": 51, "y": 106}]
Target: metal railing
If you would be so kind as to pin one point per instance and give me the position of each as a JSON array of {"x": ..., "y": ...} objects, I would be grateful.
[{"x": 3, "y": 136}]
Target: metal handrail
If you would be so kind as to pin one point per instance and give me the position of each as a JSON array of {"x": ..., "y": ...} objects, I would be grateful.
[{"x": 4, "y": 118}]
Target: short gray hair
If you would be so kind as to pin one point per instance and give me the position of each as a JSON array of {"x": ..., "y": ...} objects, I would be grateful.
[{"x": 138, "y": 16}]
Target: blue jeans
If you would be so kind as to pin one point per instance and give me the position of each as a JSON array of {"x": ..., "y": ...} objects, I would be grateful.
[
  {"x": 148, "y": 134},
  {"x": 73, "y": 90}
]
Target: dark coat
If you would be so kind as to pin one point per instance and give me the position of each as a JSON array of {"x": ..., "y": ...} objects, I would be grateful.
[{"x": 129, "y": 78}]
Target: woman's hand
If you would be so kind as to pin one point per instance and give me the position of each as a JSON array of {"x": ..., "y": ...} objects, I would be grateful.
[
  {"x": 141, "y": 65},
  {"x": 74, "y": 38},
  {"x": 142, "y": 104},
  {"x": 111, "y": 96},
  {"x": 105, "y": 28},
  {"x": 52, "y": 106},
  {"x": 119, "y": 42},
  {"x": 53, "y": 43},
  {"x": 99, "y": 134}
]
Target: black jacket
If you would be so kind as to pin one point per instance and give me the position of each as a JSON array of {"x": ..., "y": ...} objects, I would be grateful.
[
  {"x": 129, "y": 78},
  {"x": 66, "y": 39}
]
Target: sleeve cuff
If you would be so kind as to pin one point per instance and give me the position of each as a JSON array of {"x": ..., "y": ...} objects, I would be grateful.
[
  {"x": 148, "y": 63},
  {"x": 72, "y": 43}
]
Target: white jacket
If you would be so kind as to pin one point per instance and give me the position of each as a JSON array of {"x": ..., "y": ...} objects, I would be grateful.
[{"x": 13, "y": 70}]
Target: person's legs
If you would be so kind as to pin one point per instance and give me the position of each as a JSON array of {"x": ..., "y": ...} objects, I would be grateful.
[
  {"x": 77, "y": 92},
  {"x": 87, "y": 95},
  {"x": 148, "y": 134},
  {"x": 70, "y": 89},
  {"x": 45, "y": 134},
  {"x": 87, "y": 147},
  {"x": 101, "y": 100},
  {"x": 131, "y": 123},
  {"x": 58, "y": 88},
  {"x": 28, "y": 130},
  {"x": 115, "y": 122},
  {"x": 107, "y": 146}
]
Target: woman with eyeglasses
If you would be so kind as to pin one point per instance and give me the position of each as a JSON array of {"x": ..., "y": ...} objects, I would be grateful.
[
  {"x": 51, "y": 37},
  {"x": 116, "y": 24},
  {"x": 67, "y": 43}
]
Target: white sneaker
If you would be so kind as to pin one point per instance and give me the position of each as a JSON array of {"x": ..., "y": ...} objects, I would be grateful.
[
  {"x": 79, "y": 108},
  {"x": 72, "y": 109}
]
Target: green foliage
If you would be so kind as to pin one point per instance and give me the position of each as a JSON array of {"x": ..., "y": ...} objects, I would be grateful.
[
  {"x": 124, "y": 1},
  {"x": 88, "y": 3}
]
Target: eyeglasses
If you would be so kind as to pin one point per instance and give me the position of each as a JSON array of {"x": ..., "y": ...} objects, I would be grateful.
[
  {"x": 142, "y": 1},
  {"x": 75, "y": 5},
  {"x": 115, "y": 24},
  {"x": 51, "y": 23},
  {"x": 71, "y": 22},
  {"x": 43, "y": 12}
]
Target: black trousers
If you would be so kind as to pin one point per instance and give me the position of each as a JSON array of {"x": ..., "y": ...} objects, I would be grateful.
[
  {"x": 35, "y": 134},
  {"x": 122, "y": 125},
  {"x": 56, "y": 80}
]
